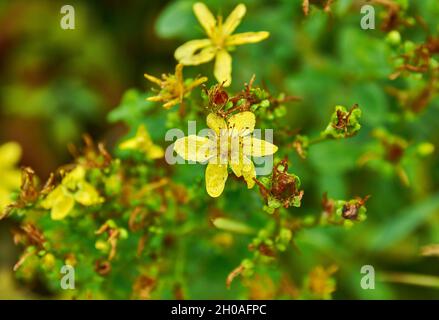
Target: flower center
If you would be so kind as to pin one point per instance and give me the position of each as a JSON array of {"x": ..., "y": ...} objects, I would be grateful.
[{"x": 228, "y": 145}]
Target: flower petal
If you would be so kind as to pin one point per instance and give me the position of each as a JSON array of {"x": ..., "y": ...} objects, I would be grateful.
[
  {"x": 87, "y": 195},
  {"x": 223, "y": 68},
  {"x": 62, "y": 206},
  {"x": 10, "y": 153},
  {"x": 153, "y": 79},
  {"x": 142, "y": 139},
  {"x": 172, "y": 102},
  {"x": 216, "y": 176},
  {"x": 246, "y": 37},
  {"x": 257, "y": 147},
  {"x": 234, "y": 19},
  {"x": 216, "y": 123},
  {"x": 155, "y": 152},
  {"x": 236, "y": 168},
  {"x": 195, "y": 52},
  {"x": 179, "y": 73},
  {"x": 242, "y": 122},
  {"x": 193, "y": 148},
  {"x": 205, "y": 17},
  {"x": 72, "y": 178},
  {"x": 157, "y": 98},
  {"x": 249, "y": 172},
  {"x": 195, "y": 83},
  {"x": 51, "y": 198},
  {"x": 132, "y": 143}
]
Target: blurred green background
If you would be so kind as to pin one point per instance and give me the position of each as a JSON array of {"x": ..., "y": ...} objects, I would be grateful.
[{"x": 57, "y": 84}]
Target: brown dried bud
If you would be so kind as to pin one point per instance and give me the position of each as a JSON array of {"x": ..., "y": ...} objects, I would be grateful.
[
  {"x": 350, "y": 211},
  {"x": 102, "y": 267},
  {"x": 218, "y": 96}
]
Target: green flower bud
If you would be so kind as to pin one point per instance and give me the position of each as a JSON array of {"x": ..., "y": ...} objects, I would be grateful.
[
  {"x": 409, "y": 46},
  {"x": 48, "y": 261},
  {"x": 265, "y": 103},
  {"x": 280, "y": 111},
  {"x": 102, "y": 246},
  {"x": 393, "y": 38},
  {"x": 247, "y": 264},
  {"x": 123, "y": 233},
  {"x": 425, "y": 149}
]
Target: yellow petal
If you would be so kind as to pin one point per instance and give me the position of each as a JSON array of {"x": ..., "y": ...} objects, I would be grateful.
[
  {"x": 196, "y": 83},
  {"x": 257, "y": 147},
  {"x": 62, "y": 206},
  {"x": 142, "y": 133},
  {"x": 155, "y": 152},
  {"x": 223, "y": 68},
  {"x": 51, "y": 198},
  {"x": 192, "y": 148},
  {"x": 10, "y": 153},
  {"x": 234, "y": 19},
  {"x": 142, "y": 139},
  {"x": 87, "y": 195},
  {"x": 216, "y": 123},
  {"x": 11, "y": 179},
  {"x": 172, "y": 103},
  {"x": 153, "y": 79},
  {"x": 179, "y": 73},
  {"x": 216, "y": 176},
  {"x": 243, "y": 122},
  {"x": 246, "y": 37},
  {"x": 73, "y": 177},
  {"x": 236, "y": 168},
  {"x": 132, "y": 143},
  {"x": 5, "y": 199},
  {"x": 205, "y": 17},
  {"x": 195, "y": 52},
  {"x": 249, "y": 172},
  {"x": 158, "y": 98}
]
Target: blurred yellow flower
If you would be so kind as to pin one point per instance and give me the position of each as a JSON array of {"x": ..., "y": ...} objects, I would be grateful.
[
  {"x": 173, "y": 88},
  {"x": 320, "y": 282},
  {"x": 220, "y": 39},
  {"x": 73, "y": 188},
  {"x": 143, "y": 142},
  {"x": 10, "y": 176},
  {"x": 230, "y": 144}
]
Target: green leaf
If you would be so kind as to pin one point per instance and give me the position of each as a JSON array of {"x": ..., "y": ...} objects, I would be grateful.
[
  {"x": 405, "y": 222},
  {"x": 176, "y": 19},
  {"x": 232, "y": 225}
]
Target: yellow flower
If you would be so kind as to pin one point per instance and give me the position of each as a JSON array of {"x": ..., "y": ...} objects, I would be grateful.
[
  {"x": 320, "y": 282},
  {"x": 143, "y": 142},
  {"x": 10, "y": 176},
  {"x": 173, "y": 88},
  {"x": 219, "y": 42},
  {"x": 73, "y": 188},
  {"x": 229, "y": 144}
]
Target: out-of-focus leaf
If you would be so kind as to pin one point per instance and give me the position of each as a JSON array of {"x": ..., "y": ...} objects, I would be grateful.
[
  {"x": 403, "y": 223},
  {"x": 232, "y": 225},
  {"x": 176, "y": 20}
]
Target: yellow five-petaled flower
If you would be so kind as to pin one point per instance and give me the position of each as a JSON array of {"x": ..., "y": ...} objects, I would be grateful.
[
  {"x": 173, "y": 87},
  {"x": 142, "y": 142},
  {"x": 220, "y": 39},
  {"x": 230, "y": 143},
  {"x": 73, "y": 188}
]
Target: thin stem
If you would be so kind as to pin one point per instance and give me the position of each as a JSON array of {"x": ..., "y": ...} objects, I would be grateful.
[
  {"x": 318, "y": 140},
  {"x": 411, "y": 278}
]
